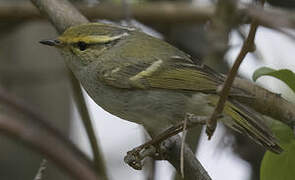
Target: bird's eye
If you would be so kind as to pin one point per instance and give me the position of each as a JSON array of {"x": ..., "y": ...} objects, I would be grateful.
[{"x": 82, "y": 45}]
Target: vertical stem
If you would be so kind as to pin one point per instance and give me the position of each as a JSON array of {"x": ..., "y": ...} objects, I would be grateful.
[
  {"x": 247, "y": 47},
  {"x": 83, "y": 111}
]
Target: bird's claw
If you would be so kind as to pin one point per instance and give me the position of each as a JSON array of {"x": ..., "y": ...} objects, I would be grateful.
[{"x": 134, "y": 157}]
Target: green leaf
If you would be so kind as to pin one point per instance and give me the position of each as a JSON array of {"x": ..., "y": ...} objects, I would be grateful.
[
  {"x": 284, "y": 75},
  {"x": 273, "y": 166},
  {"x": 280, "y": 167}
]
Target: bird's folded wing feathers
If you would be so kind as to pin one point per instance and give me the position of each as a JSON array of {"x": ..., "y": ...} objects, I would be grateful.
[
  {"x": 251, "y": 123},
  {"x": 175, "y": 73}
]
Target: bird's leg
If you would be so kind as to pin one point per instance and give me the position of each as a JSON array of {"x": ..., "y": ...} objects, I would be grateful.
[
  {"x": 151, "y": 148},
  {"x": 136, "y": 155}
]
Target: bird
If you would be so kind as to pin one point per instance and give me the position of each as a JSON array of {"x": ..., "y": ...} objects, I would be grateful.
[{"x": 145, "y": 80}]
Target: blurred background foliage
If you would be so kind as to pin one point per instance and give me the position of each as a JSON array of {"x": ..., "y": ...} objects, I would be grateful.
[{"x": 38, "y": 75}]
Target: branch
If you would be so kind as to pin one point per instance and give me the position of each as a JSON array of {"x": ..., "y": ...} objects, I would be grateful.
[
  {"x": 41, "y": 170},
  {"x": 193, "y": 169},
  {"x": 271, "y": 17},
  {"x": 247, "y": 47},
  {"x": 39, "y": 135},
  {"x": 48, "y": 7},
  {"x": 153, "y": 13},
  {"x": 59, "y": 13},
  {"x": 156, "y": 13},
  {"x": 83, "y": 111},
  {"x": 222, "y": 24},
  {"x": 266, "y": 102}
]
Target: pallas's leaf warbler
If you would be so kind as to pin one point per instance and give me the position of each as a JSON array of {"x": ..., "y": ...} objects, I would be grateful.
[{"x": 147, "y": 81}]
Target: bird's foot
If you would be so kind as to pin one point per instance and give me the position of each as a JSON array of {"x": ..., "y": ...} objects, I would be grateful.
[
  {"x": 135, "y": 156},
  {"x": 153, "y": 147}
]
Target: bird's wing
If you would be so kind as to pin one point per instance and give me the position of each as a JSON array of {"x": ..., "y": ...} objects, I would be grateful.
[{"x": 175, "y": 73}]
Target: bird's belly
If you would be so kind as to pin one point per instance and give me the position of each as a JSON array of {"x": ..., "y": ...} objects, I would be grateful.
[{"x": 155, "y": 109}]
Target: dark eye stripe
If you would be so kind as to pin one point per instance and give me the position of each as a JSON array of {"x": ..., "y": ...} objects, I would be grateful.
[{"x": 82, "y": 45}]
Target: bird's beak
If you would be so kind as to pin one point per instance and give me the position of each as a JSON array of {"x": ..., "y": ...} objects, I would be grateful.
[{"x": 54, "y": 42}]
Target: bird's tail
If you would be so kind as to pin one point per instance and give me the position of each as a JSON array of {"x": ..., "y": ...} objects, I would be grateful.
[{"x": 249, "y": 122}]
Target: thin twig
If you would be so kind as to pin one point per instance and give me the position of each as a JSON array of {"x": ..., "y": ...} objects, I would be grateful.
[
  {"x": 257, "y": 53},
  {"x": 222, "y": 24},
  {"x": 247, "y": 47},
  {"x": 86, "y": 120},
  {"x": 41, "y": 169},
  {"x": 184, "y": 132}
]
